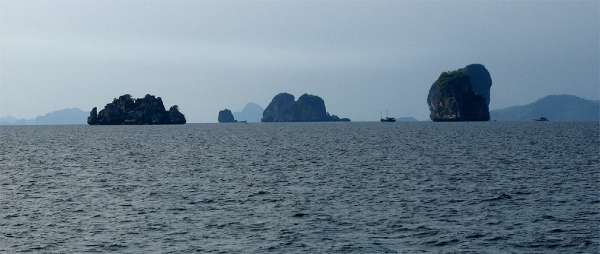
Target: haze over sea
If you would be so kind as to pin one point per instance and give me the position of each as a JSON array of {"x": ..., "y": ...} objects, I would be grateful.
[{"x": 485, "y": 187}]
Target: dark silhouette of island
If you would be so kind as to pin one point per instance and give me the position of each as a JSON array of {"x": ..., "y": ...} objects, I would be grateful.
[
  {"x": 553, "y": 108},
  {"x": 128, "y": 111},
  {"x": 461, "y": 95},
  {"x": 225, "y": 116},
  {"x": 59, "y": 117},
  {"x": 251, "y": 113},
  {"x": 308, "y": 108}
]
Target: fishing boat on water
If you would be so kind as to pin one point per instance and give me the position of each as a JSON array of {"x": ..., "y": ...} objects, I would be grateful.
[{"x": 388, "y": 119}]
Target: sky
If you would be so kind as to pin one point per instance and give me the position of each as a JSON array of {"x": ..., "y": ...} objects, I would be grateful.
[{"x": 362, "y": 57}]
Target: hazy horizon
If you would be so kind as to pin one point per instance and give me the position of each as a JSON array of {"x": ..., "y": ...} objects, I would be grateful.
[{"x": 361, "y": 57}]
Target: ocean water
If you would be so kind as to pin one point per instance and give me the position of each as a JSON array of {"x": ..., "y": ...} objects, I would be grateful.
[{"x": 301, "y": 188}]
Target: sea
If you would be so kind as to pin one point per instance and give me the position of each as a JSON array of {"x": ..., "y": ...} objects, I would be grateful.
[{"x": 487, "y": 187}]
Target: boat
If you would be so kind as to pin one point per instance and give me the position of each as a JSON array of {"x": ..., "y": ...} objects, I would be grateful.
[
  {"x": 388, "y": 119},
  {"x": 541, "y": 119}
]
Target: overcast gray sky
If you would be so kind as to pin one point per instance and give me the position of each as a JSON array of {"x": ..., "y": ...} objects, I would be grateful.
[{"x": 362, "y": 57}]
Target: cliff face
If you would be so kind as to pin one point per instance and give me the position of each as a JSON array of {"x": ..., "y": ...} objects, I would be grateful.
[
  {"x": 128, "y": 111},
  {"x": 225, "y": 116},
  {"x": 308, "y": 108},
  {"x": 461, "y": 95},
  {"x": 280, "y": 109}
]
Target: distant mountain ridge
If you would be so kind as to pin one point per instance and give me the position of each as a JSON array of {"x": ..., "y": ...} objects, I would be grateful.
[
  {"x": 561, "y": 107},
  {"x": 59, "y": 117}
]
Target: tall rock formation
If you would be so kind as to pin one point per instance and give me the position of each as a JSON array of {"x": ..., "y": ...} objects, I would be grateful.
[
  {"x": 280, "y": 109},
  {"x": 225, "y": 116},
  {"x": 308, "y": 108},
  {"x": 461, "y": 95},
  {"x": 128, "y": 111}
]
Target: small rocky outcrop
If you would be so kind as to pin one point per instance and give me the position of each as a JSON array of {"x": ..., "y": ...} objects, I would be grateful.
[
  {"x": 126, "y": 110},
  {"x": 461, "y": 95},
  {"x": 308, "y": 108},
  {"x": 226, "y": 116}
]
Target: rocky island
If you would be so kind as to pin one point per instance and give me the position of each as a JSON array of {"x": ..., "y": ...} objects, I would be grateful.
[
  {"x": 308, "y": 108},
  {"x": 126, "y": 110},
  {"x": 461, "y": 95},
  {"x": 226, "y": 116}
]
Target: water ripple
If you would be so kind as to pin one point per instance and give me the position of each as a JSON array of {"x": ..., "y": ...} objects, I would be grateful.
[{"x": 301, "y": 188}]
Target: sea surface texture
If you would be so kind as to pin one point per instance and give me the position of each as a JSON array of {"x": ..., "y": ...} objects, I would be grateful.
[{"x": 301, "y": 188}]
